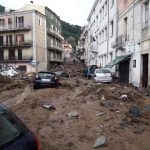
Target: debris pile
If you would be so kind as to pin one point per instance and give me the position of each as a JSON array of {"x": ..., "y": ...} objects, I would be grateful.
[{"x": 7, "y": 83}]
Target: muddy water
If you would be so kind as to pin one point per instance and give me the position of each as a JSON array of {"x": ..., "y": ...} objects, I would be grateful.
[{"x": 57, "y": 131}]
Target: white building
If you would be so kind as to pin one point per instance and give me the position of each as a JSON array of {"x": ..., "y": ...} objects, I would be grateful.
[
  {"x": 133, "y": 41},
  {"x": 102, "y": 24},
  {"x": 83, "y": 46}
]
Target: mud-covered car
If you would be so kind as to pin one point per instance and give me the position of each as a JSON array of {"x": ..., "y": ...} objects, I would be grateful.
[
  {"x": 102, "y": 75},
  {"x": 14, "y": 135},
  {"x": 45, "y": 79}
]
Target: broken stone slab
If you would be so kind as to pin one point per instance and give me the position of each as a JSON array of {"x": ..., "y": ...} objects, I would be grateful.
[
  {"x": 48, "y": 107},
  {"x": 103, "y": 98},
  {"x": 134, "y": 111},
  {"x": 124, "y": 97},
  {"x": 100, "y": 142},
  {"x": 101, "y": 114},
  {"x": 73, "y": 114},
  {"x": 146, "y": 107}
]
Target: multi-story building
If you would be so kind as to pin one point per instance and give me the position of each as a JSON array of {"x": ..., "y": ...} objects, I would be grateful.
[
  {"x": 102, "y": 22},
  {"x": 83, "y": 46},
  {"x": 30, "y": 38},
  {"x": 67, "y": 51},
  {"x": 133, "y": 41},
  {"x": 53, "y": 34},
  {"x": 22, "y": 40}
]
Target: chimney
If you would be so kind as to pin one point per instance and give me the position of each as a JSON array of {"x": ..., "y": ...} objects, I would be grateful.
[{"x": 31, "y": 2}]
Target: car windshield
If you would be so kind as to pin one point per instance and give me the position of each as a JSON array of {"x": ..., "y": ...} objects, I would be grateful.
[
  {"x": 46, "y": 75},
  {"x": 102, "y": 71},
  {"x": 9, "y": 130}
]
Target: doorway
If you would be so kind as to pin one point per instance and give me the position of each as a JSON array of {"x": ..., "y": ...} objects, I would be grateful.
[
  {"x": 145, "y": 71},
  {"x": 124, "y": 71}
]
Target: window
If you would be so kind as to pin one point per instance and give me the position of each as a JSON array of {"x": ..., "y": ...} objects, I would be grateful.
[
  {"x": 23, "y": 68},
  {"x": 1, "y": 54},
  {"x": 8, "y": 39},
  {"x": 97, "y": 20},
  {"x": 40, "y": 21},
  {"x": 100, "y": 15},
  {"x": 9, "y": 23},
  {"x": 111, "y": 57},
  {"x": 103, "y": 12},
  {"x": 103, "y": 36},
  {"x": 125, "y": 27},
  {"x": 2, "y": 22},
  {"x": 112, "y": 28},
  {"x": 19, "y": 39},
  {"x": 19, "y": 54},
  {"x": 100, "y": 38},
  {"x": 1, "y": 40},
  {"x": 106, "y": 8},
  {"x": 146, "y": 13},
  {"x": 106, "y": 33},
  {"x": 11, "y": 54},
  {"x": 112, "y": 3},
  {"x": 20, "y": 22}
]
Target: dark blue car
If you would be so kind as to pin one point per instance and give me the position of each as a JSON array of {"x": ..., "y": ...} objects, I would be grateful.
[
  {"x": 14, "y": 135},
  {"x": 45, "y": 79},
  {"x": 88, "y": 72}
]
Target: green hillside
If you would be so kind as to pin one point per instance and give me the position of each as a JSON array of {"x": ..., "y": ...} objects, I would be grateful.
[
  {"x": 71, "y": 33},
  {"x": 2, "y": 9}
]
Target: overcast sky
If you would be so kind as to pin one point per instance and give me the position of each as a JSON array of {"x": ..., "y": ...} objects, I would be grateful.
[{"x": 72, "y": 11}]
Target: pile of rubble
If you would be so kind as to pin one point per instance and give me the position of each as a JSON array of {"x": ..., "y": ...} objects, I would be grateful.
[
  {"x": 7, "y": 83},
  {"x": 75, "y": 69}
]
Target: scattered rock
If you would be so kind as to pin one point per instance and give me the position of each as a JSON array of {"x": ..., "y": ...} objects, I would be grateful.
[
  {"x": 139, "y": 131},
  {"x": 110, "y": 104},
  {"x": 49, "y": 107},
  {"x": 124, "y": 97},
  {"x": 101, "y": 114},
  {"x": 100, "y": 142},
  {"x": 146, "y": 107},
  {"x": 103, "y": 98},
  {"x": 73, "y": 114},
  {"x": 134, "y": 111}
]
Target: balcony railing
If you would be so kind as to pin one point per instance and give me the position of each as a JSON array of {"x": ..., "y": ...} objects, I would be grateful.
[
  {"x": 54, "y": 59},
  {"x": 145, "y": 25},
  {"x": 27, "y": 43},
  {"x": 120, "y": 42},
  {"x": 54, "y": 47},
  {"x": 52, "y": 32},
  {"x": 12, "y": 27},
  {"x": 94, "y": 47},
  {"x": 15, "y": 58}
]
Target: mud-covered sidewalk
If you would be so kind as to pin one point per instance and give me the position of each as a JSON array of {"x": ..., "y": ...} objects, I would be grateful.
[{"x": 81, "y": 112}]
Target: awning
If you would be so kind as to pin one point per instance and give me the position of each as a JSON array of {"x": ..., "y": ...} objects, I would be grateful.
[{"x": 117, "y": 60}]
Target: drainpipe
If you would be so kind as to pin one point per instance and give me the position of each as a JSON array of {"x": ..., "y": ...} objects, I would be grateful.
[
  {"x": 117, "y": 22},
  {"x": 108, "y": 31}
]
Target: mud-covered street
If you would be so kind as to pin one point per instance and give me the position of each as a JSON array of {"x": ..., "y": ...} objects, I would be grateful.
[{"x": 82, "y": 112}]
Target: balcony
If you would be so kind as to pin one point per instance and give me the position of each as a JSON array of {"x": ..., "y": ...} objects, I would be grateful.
[
  {"x": 120, "y": 42},
  {"x": 18, "y": 44},
  {"x": 145, "y": 25},
  {"x": 17, "y": 27},
  {"x": 16, "y": 59},
  {"x": 94, "y": 47},
  {"x": 54, "y": 59},
  {"x": 54, "y": 47},
  {"x": 54, "y": 33}
]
